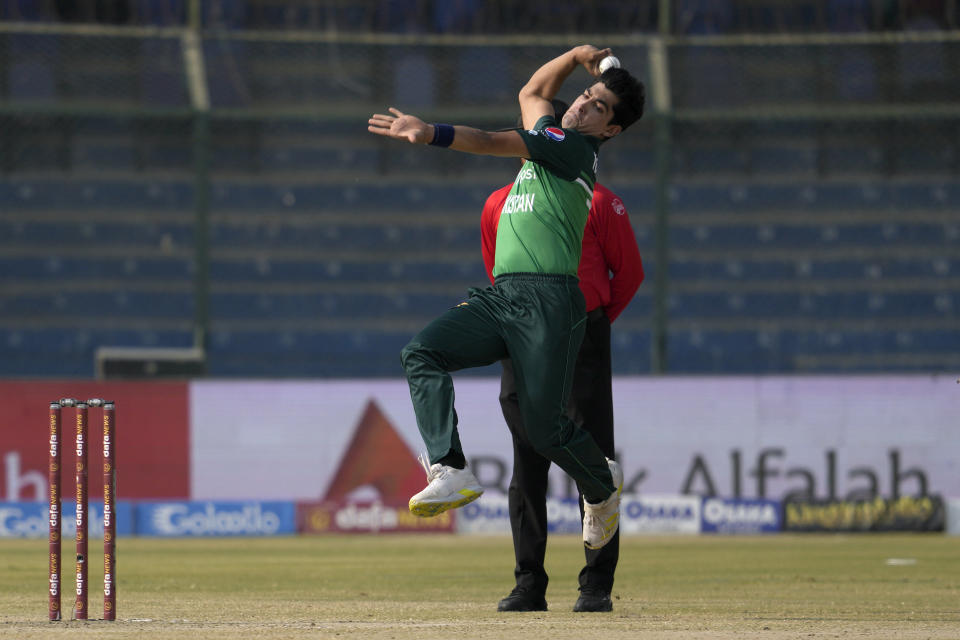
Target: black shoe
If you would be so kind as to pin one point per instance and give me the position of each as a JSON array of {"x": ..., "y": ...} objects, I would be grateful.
[
  {"x": 593, "y": 600},
  {"x": 522, "y": 600}
]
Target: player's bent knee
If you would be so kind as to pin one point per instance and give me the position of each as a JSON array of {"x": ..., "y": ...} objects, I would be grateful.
[
  {"x": 410, "y": 354},
  {"x": 415, "y": 356}
]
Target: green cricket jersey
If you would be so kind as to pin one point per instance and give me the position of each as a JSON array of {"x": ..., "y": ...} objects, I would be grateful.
[{"x": 542, "y": 221}]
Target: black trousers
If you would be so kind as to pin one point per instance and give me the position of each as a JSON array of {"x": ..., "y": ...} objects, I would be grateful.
[{"x": 590, "y": 407}]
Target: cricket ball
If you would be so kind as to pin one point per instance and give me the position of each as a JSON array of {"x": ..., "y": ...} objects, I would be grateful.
[{"x": 610, "y": 62}]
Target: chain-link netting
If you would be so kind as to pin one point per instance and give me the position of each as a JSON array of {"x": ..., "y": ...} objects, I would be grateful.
[
  {"x": 804, "y": 192},
  {"x": 814, "y": 204}
]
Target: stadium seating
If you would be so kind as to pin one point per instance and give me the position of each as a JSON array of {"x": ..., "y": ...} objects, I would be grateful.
[
  {"x": 793, "y": 245},
  {"x": 30, "y": 75},
  {"x": 761, "y": 254}
]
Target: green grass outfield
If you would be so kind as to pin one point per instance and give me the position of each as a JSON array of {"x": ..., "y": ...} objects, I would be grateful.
[{"x": 432, "y": 586}]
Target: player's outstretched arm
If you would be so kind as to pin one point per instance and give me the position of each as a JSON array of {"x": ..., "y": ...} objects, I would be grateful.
[
  {"x": 543, "y": 85},
  {"x": 402, "y": 126}
]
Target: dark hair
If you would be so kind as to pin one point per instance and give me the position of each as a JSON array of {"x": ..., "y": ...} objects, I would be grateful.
[
  {"x": 559, "y": 108},
  {"x": 631, "y": 96}
]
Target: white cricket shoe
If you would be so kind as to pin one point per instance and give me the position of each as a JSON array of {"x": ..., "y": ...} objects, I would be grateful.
[
  {"x": 447, "y": 488},
  {"x": 601, "y": 521}
]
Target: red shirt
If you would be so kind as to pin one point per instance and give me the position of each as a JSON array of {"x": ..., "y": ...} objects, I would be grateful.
[{"x": 610, "y": 267}]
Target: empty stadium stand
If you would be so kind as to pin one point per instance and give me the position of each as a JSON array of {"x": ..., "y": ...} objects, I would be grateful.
[
  {"x": 332, "y": 279},
  {"x": 795, "y": 245}
]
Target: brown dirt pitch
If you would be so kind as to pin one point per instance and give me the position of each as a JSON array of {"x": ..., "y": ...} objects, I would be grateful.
[{"x": 431, "y": 586}]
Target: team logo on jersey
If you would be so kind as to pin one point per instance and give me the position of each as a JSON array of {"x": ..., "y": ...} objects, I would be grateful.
[
  {"x": 555, "y": 133},
  {"x": 618, "y": 207}
]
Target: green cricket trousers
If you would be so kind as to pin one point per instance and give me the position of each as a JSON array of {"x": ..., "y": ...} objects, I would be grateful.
[{"x": 536, "y": 320}]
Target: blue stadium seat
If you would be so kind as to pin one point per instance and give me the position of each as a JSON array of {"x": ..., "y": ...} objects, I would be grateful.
[
  {"x": 318, "y": 158},
  {"x": 22, "y": 10},
  {"x": 715, "y": 160},
  {"x": 810, "y": 195},
  {"x": 776, "y": 350},
  {"x": 629, "y": 162},
  {"x": 922, "y": 66},
  {"x": 640, "y": 308},
  {"x": 227, "y": 61},
  {"x": 849, "y": 15},
  {"x": 132, "y": 269},
  {"x": 369, "y": 197},
  {"x": 63, "y": 352},
  {"x": 80, "y": 195},
  {"x": 413, "y": 77},
  {"x": 30, "y": 72},
  {"x": 162, "y": 79},
  {"x": 306, "y": 353},
  {"x": 702, "y": 77},
  {"x": 924, "y": 194},
  {"x": 264, "y": 270},
  {"x": 925, "y": 155},
  {"x": 484, "y": 76},
  {"x": 842, "y": 304},
  {"x": 106, "y": 233},
  {"x": 117, "y": 304},
  {"x": 455, "y": 16},
  {"x": 103, "y": 155},
  {"x": 736, "y": 351},
  {"x": 701, "y": 17},
  {"x": 855, "y": 158},
  {"x": 266, "y": 306},
  {"x": 732, "y": 269},
  {"x": 162, "y": 13},
  {"x": 346, "y": 236},
  {"x": 69, "y": 340},
  {"x": 631, "y": 350},
  {"x": 225, "y": 14},
  {"x": 856, "y": 75},
  {"x": 31, "y": 82},
  {"x": 22, "y": 364},
  {"x": 783, "y": 160}
]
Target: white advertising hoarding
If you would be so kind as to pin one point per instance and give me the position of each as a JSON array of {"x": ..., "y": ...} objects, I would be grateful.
[{"x": 753, "y": 437}]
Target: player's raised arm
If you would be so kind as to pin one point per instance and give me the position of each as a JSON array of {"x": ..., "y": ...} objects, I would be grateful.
[
  {"x": 402, "y": 126},
  {"x": 543, "y": 85}
]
